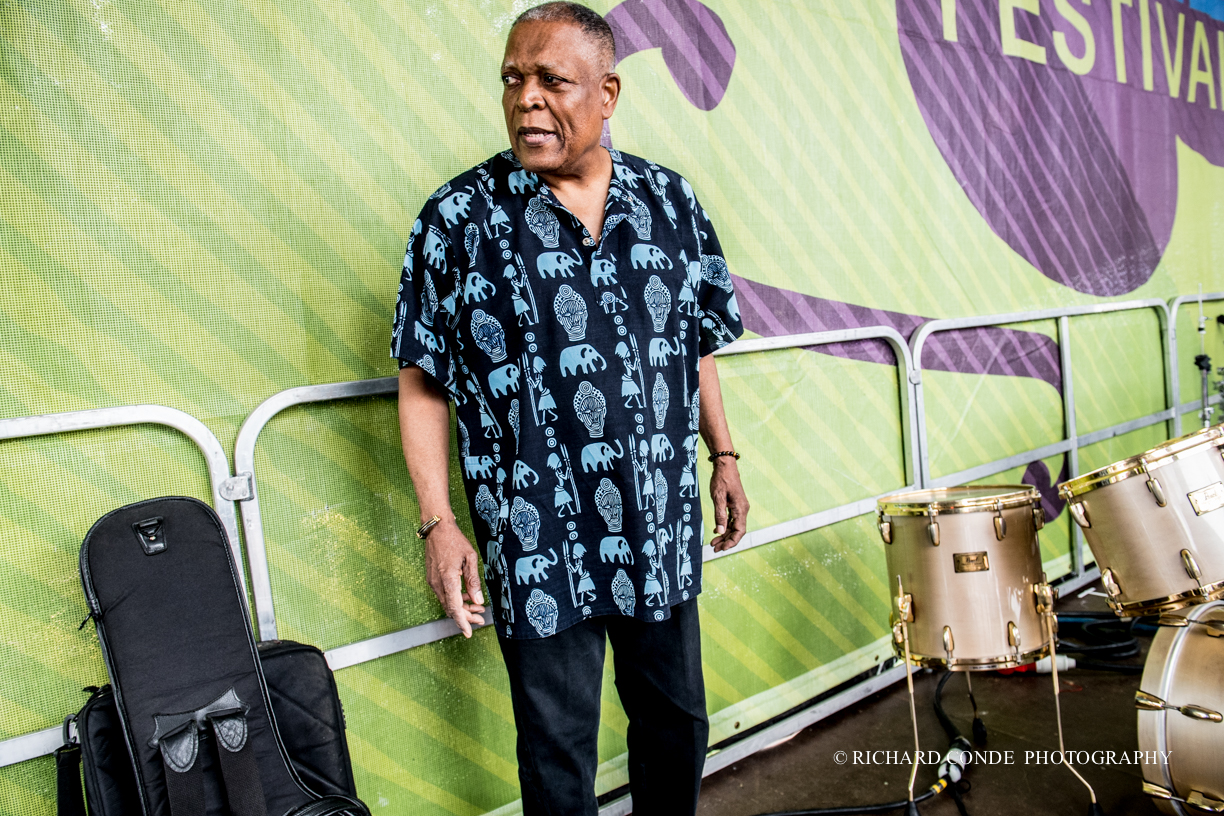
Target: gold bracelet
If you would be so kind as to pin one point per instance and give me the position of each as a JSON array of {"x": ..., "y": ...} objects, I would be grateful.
[
  {"x": 425, "y": 528},
  {"x": 717, "y": 454}
]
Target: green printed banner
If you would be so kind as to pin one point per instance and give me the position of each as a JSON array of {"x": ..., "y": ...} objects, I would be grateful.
[{"x": 205, "y": 204}]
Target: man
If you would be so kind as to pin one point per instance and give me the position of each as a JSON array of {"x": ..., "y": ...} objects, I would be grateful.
[{"x": 568, "y": 298}]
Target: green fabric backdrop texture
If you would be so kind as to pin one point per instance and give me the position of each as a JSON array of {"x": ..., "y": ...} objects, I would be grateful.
[{"x": 204, "y": 204}]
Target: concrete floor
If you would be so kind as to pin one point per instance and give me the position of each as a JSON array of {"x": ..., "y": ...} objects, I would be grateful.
[{"x": 1018, "y": 711}]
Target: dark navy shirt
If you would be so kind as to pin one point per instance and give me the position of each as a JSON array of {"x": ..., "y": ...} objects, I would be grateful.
[{"x": 574, "y": 371}]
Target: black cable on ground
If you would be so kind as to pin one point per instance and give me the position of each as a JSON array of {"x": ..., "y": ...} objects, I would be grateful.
[
  {"x": 948, "y": 726},
  {"x": 979, "y": 728},
  {"x": 960, "y": 802}
]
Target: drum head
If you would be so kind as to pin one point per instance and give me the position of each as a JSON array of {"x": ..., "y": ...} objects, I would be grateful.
[{"x": 971, "y": 499}]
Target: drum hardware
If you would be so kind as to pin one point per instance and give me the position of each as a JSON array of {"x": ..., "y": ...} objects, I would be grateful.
[
  {"x": 1112, "y": 588},
  {"x": 1150, "y": 702},
  {"x": 1192, "y": 567},
  {"x": 1153, "y": 484},
  {"x": 1038, "y": 515},
  {"x": 885, "y": 527},
  {"x": 905, "y": 614},
  {"x": 1203, "y": 361},
  {"x": 933, "y": 527},
  {"x": 949, "y": 642},
  {"x": 1079, "y": 512},
  {"x": 1000, "y": 524},
  {"x": 1195, "y": 800},
  {"x": 1215, "y": 628}
]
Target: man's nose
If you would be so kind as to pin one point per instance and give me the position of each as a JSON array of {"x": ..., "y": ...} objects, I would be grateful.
[{"x": 532, "y": 96}]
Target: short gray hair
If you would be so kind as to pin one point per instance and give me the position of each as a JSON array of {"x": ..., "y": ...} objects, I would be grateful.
[{"x": 594, "y": 26}]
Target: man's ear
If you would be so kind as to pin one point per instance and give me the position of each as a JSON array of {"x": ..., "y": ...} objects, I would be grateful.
[{"x": 611, "y": 93}]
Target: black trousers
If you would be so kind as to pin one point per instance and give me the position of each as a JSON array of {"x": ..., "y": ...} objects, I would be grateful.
[{"x": 555, "y": 690}]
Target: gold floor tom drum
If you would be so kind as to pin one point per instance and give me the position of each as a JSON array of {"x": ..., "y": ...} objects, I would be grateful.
[
  {"x": 1155, "y": 523},
  {"x": 968, "y": 559},
  {"x": 1181, "y": 712}
]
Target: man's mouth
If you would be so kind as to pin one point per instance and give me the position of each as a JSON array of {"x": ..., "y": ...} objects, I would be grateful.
[{"x": 535, "y": 137}]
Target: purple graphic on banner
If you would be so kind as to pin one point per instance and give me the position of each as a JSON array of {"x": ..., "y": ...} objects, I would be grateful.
[
  {"x": 770, "y": 312},
  {"x": 697, "y": 50},
  {"x": 696, "y": 47},
  {"x": 700, "y": 55},
  {"x": 1066, "y": 144}
]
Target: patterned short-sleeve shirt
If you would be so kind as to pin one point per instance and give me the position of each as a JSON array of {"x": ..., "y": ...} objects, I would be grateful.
[{"x": 574, "y": 370}]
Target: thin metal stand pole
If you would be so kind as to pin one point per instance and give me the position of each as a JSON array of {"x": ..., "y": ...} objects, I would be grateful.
[
  {"x": 904, "y": 609},
  {"x": 1062, "y": 751}
]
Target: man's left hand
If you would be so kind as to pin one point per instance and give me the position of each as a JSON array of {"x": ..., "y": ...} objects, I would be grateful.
[{"x": 730, "y": 504}]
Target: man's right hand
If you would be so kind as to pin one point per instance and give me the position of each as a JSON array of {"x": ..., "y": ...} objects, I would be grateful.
[{"x": 450, "y": 563}]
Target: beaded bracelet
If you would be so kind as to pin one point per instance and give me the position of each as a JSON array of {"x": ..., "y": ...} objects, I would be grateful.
[{"x": 717, "y": 454}]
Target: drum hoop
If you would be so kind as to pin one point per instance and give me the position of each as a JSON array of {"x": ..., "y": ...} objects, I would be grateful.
[
  {"x": 1020, "y": 496},
  {"x": 1164, "y": 454},
  {"x": 1171, "y": 603},
  {"x": 1009, "y": 661}
]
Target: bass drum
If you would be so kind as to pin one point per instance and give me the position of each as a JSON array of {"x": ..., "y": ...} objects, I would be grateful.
[
  {"x": 968, "y": 558},
  {"x": 1155, "y": 525},
  {"x": 1180, "y": 703}
]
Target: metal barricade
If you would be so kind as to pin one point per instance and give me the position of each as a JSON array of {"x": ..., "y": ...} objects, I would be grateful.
[{"x": 40, "y": 743}]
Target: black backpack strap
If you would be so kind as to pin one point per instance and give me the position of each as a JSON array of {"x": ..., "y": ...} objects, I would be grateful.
[
  {"x": 332, "y": 806},
  {"x": 68, "y": 797},
  {"x": 239, "y": 771},
  {"x": 184, "y": 776}
]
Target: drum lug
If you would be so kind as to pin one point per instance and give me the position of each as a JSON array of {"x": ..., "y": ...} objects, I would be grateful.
[
  {"x": 1195, "y": 712},
  {"x": 949, "y": 642},
  {"x": 885, "y": 527},
  {"x": 1038, "y": 516},
  {"x": 1000, "y": 523},
  {"x": 1153, "y": 484},
  {"x": 1203, "y": 802},
  {"x": 1157, "y": 791},
  {"x": 1013, "y": 635},
  {"x": 1045, "y": 597},
  {"x": 1079, "y": 512},
  {"x": 898, "y": 635},
  {"x": 1150, "y": 702},
  {"x": 1191, "y": 565},
  {"x": 1113, "y": 587},
  {"x": 905, "y": 608},
  {"x": 933, "y": 525}
]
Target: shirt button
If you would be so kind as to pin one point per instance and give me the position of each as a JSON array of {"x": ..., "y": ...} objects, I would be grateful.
[{"x": 588, "y": 241}]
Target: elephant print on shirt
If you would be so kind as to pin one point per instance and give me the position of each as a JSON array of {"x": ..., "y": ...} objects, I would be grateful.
[
  {"x": 647, "y": 256},
  {"x": 456, "y": 207},
  {"x": 557, "y": 264},
  {"x": 534, "y": 567},
  {"x": 435, "y": 248},
  {"x": 504, "y": 380},
  {"x": 599, "y": 455},
  {"x": 584, "y": 358}
]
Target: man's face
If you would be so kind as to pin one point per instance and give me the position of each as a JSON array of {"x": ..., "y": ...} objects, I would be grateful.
[{"x": 556, "y": 96}]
